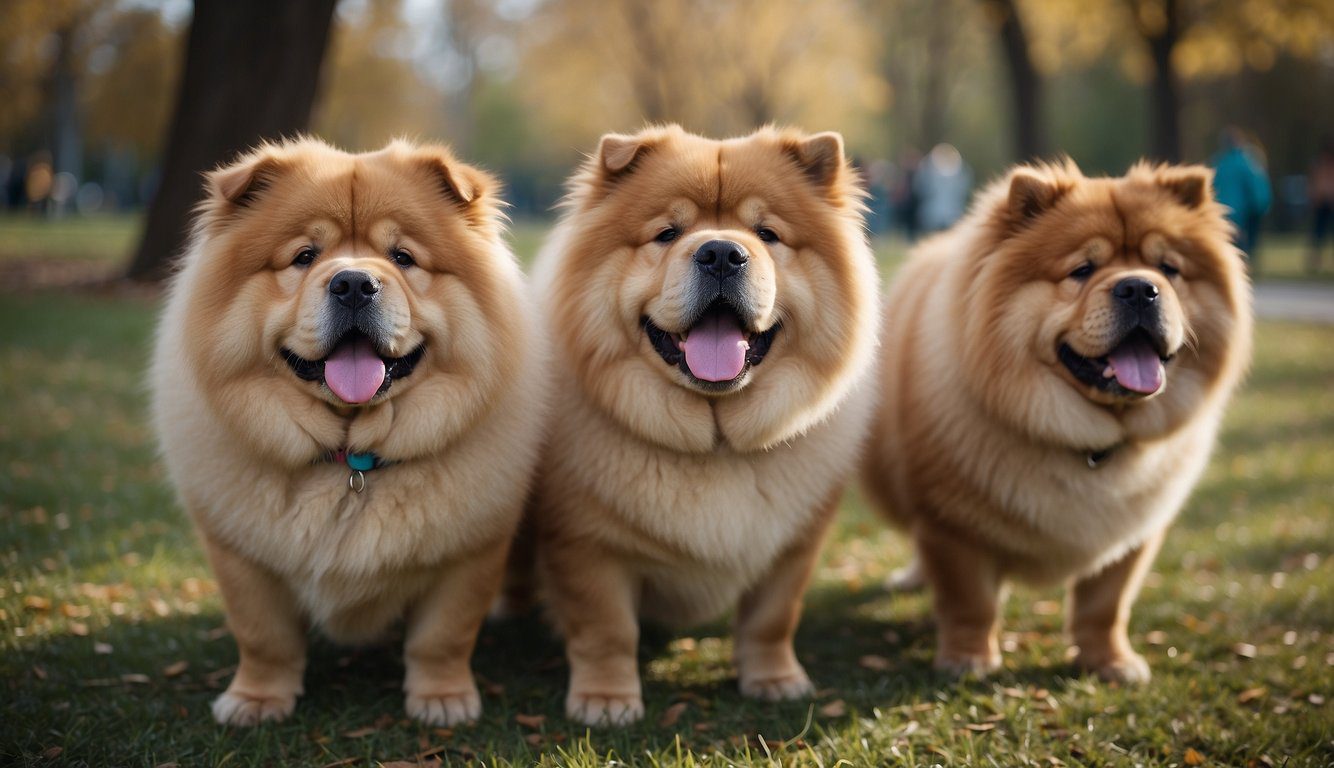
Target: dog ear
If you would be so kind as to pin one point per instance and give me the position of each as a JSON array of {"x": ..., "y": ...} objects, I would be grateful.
[
  {"x": 459, "y": 181},
  {"x": 240, "y": 183},
  {"x": 471, "y": 189},
  {"x": 1030, "y": 196},
  {"x": 617, "y": 152},
  {"x": 820, "y": 155},
  {"x": 1190, "y": 184}
]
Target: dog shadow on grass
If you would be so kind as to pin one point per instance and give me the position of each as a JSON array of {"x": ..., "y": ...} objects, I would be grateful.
[{"x": 150, "y": 682}]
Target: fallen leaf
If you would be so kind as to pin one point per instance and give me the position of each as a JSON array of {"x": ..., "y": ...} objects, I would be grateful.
[
  {"x": 1316, "y": 699},
  {"x": 702, "y": 727},
  {"x": 1156, "y": 637},
  {"x": 78, "y": 628},
  {"x": 175, "y": 669},
  {"x": 167, "y": 765},
  {"x": 1193, "y": 757},
  {"x": 135, "y": 678},
  {"x": 980, "y": 727},
  {"x": 360, "y": 733},
  {"x": 33, "y": 602},
  {"x": 344, "y": 761},
  {"x": 38, "y": 671},
  {"x": 835, "y": 708},
  {"x": 671, "y": 714},
  {"x": 874, "y": 663},
  {"x": 101, "y": 648},
  {"x": 1244, "y": 650},
  {"x": 51, "y": 753},
  {"x": 1251, "y": 694},
  {"x": 429, "y": 751},
  {"x": 1046, "y": 607},
  {"x": 530, "y": 721},
  {"x": 399, "y": 764},
  {"x": 535, "y": 739}
]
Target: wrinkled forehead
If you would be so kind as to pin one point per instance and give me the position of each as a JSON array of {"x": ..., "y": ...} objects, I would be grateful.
[
  {"x": 716, "y": 177},
  {"x": 351, "y": 192}
]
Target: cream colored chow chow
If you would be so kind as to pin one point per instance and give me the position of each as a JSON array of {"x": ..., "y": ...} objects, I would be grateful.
[
  {"x": 1054, "y": 371},
  {"x": 713, "y": 311},
  {"x": 348, "y": 398}
]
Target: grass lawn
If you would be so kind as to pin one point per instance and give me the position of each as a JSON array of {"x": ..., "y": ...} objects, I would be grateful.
[{"x": 112, "y": 641}]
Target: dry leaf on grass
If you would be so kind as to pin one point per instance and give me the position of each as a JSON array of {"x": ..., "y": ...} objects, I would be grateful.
[
  {"x": 175, "y": 669},
  {"x": 1193, "y": 757},
  {"x": 874, "y": 663},
  {"x": 35, "y": 603},
  {"x": 101, "y": 648},
  {"x": 344, "y": 761},
  {"x": 835, "y": 708},
  {"x": 672, "y": 714},
  {"x": 360, "y": 733},
  {"x": 980, "y": 727},
  {"x": 51, "y": 753},
  {"x": 1251, "y": 694},
  {"x": 135, "y": 678},
  {"x": 530, "y": 721},
  {"x": 1244, "y": 650}
]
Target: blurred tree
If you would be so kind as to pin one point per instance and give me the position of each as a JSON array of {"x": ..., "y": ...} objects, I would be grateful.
[
  {"x": 373, "y": 91},
  {"x": 720, "y": 68},
  {"x": 251, "y": 71},
  {"x": 1160, "y": 24},
  {"x": 127, "y": 88},
  {"x": 1026, "y": 87}
]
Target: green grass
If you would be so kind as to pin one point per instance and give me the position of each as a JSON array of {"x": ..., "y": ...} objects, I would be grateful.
[{"x": 111, "y": 639}]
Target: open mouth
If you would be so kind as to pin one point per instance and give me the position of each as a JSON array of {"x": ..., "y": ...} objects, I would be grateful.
[
  {"x": 354, "y": 370},
  {"x": 1134, "y": 368},
  {"x": 716, "y": 351}
]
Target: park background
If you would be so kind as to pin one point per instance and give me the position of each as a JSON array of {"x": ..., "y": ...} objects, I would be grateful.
[{"x": 111, "y": 636}]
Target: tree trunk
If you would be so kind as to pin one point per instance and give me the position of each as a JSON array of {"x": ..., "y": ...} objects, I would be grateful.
[
  {"x": 1165, "y": 94},
  {"x": 1025, "y": 83},
  {"x": 940, "y": 36},
  {"x": 251, "y": 71}
]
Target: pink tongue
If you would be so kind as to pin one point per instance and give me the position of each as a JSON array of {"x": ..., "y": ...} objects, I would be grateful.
[
  {"x": 354, "y": 372},
  {"x": 1136, "y": 366},
  {"x": 716, "y": 348}
]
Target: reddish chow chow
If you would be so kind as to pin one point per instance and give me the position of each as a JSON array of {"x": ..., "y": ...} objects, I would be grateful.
[
  {"x": 713, "y": 309},
  {"x": 347, "y": 396},
  {"x": 1055, "y": 371}
]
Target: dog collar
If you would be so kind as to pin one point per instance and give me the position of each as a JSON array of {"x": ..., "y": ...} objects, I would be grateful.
[{"x": 358, "y": 464}]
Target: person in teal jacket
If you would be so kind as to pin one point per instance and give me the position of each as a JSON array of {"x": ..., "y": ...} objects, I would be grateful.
[{"x": 1242, "y": 184}]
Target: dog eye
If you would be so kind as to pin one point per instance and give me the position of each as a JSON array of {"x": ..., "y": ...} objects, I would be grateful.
[
  {"x": 305, "y": 257},
  {"x": 1169, "y": 270},
  {"x": 667, "y": 235},
  {"x": 1083, "y": 271},
  {"x": 401, "y": 257},
  {"x": 767, "y": 235}
]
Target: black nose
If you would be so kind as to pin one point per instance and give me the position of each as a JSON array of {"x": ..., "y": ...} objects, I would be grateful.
[
  {"x": 721, "y": 258},
  {"x": 1136, "y": 292},
  {"x": 354, "y": 288}
]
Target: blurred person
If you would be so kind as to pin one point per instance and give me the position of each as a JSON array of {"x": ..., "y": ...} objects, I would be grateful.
[
  {"x": 1242, "y": 184},
  {"x": 1320, "y": 191},
  {"x": 903, "y": 197},
  {"x": 942, "y": 184}
]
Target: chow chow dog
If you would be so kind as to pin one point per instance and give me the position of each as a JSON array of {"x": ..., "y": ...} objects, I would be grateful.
[
  {"x": 1054, "y": 371},
  {"x": 347, "y": 391},
  {"x": 713, "y": 310}
]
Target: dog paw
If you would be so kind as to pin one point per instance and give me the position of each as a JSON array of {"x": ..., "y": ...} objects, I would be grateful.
[
  {"x": 239, "y": 709},
  {"x": 1127, "y": 669},
  {"x": 778, "y": 688},
  {"x": 967, "y": 664},
  {"x": 445, "y": 708},
  {"x": 602, "y": 709}
]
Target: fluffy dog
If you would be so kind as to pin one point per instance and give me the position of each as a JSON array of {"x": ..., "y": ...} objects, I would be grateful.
[
  {"x": 348, "y": 398},
  {"x": 1054, "y": 373},
  {"x": 713, "y": 307}
]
